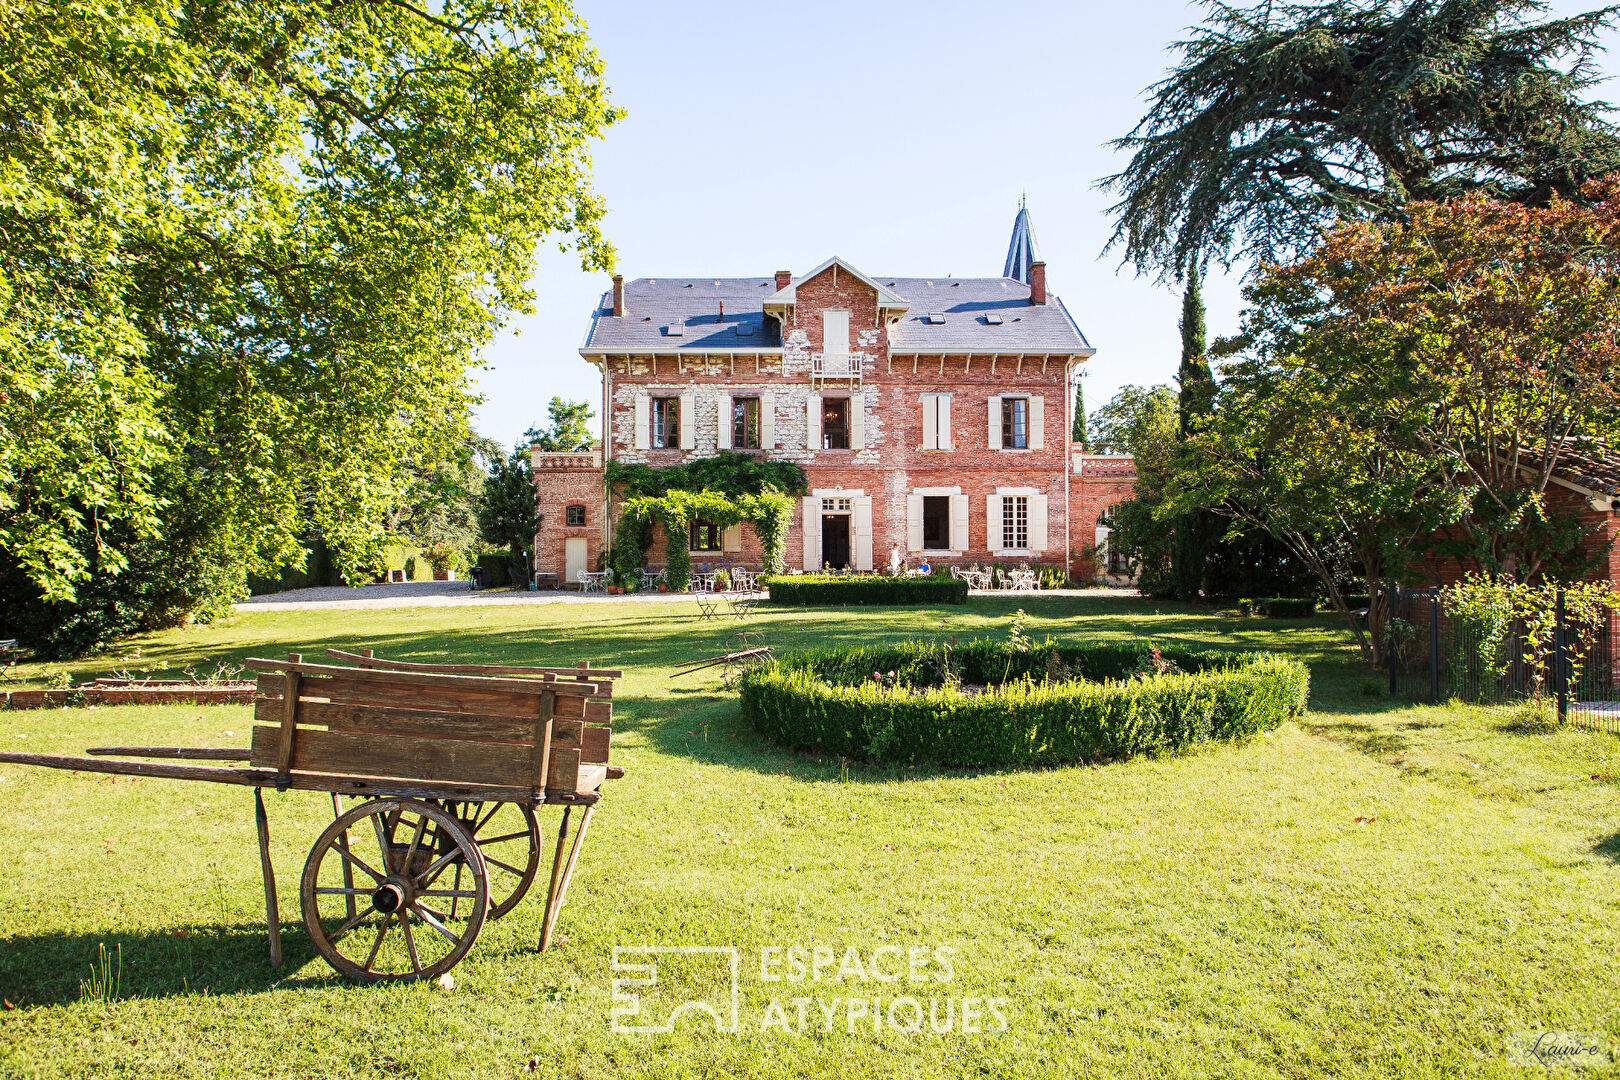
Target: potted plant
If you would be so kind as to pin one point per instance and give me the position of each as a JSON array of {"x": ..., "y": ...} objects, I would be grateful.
[
  {"x": 722, "y": 580},
  {"x": 445, "y": 558}
]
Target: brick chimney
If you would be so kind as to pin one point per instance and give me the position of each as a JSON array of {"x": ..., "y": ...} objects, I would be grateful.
[
  {"x": 784, "y": 278},
  {"x": 618, "y": 294},
  {"x": 1037, "y": 283}
]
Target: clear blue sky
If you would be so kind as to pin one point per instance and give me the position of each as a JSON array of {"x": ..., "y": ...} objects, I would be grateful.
[{"x": 898, "y": 135}]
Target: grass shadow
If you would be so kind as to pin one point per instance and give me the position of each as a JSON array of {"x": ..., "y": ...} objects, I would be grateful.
[{"x": 47, "y": 969}]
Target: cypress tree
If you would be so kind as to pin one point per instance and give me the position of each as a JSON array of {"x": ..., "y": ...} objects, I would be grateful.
[
  {"x": 1195, "y": 532},
  {"x": 1079, "y": 433},
  {"x": 1196, "y": 381}
]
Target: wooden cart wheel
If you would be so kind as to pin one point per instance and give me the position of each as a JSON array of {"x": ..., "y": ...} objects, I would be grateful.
[
  {"x": 508, "y": 835},
  {"x": 400, "y": 855}
]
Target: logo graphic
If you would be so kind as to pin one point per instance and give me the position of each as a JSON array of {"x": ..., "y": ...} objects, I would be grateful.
[
  {"x": 1557, "y": 1049},
  {"x": 701, "y": 978}
]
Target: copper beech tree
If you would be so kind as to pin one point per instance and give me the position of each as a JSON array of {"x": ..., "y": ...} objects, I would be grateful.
[{"x": 1412, "y": 387}]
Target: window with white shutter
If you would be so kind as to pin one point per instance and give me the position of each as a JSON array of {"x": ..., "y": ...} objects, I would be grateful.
[
  {"x": 812, "y": 424},
  {"x": 642, "y": 420},
  {"x": 688, "y": 424},
  {"x": 936, "y": 416},
  {"x": 1015, "y": 523},
  {"x": 835, "y": 333}
]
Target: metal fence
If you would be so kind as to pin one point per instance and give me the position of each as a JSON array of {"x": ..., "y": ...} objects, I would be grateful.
[{"x": 1434, "y": 656}]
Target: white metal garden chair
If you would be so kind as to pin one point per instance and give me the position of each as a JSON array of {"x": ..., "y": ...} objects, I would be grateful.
[{"x": 706, "y": 601}]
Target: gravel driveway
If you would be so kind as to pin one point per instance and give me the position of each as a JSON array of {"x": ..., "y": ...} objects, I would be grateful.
[{"x": 461, "y": 593}]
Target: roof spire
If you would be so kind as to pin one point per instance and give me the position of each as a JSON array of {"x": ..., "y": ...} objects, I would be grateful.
[{"x": 1022, "y": 251}]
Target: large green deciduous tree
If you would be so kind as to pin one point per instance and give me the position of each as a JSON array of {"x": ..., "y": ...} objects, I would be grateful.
[
  {"x": 440, "y": 502},
  {"x": 569, "y": 427},
  {"x": 1417, "y": 385},
  {"x": 1283, "y": 117},
  {"x": 247, "y": 254}
]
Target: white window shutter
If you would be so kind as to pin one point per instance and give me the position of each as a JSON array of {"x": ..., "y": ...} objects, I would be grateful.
[
  {"x": 812, "y": 424},
  {"x": 959, "y": 522},
  {"x": 995, "y": 428},
  {"x": 767, "y": 420},
  {"x": 731, "y": 537},
  {"x": 688, "y": 427},
  {"x": 914, "y": 522},
  {"x": 943, "y": 425},
  {"x": 857, "y": 423},
  {"x": 643, "y": 429},
  {"x": 812, "y": 533},
  {"x": 863, "y": 532},
  {"x": 930, "y": 414},
  {"x": 1037, "y": 422},
  {"x": 992, "y": 522},
  {"x": 723, "y": 410},
  {"x": 1037, "y": 522}
]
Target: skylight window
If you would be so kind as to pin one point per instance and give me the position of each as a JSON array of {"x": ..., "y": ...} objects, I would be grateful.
[
  {"x": 935, "y": 317},
  {"x": 992, "y": 319},
  {"x": 675, "y": 329},
  {"x": 745, "y": 330}
]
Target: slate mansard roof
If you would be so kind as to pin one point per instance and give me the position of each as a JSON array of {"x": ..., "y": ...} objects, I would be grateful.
[{"x": 970, "y": 306}]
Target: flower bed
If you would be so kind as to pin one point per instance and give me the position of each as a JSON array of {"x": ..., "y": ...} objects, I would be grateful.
[
  {"x": 831, "y": 590},
  {"x": 1042, "y": 704}
]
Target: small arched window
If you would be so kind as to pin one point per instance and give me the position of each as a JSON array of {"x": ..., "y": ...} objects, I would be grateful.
[{"x": 574, "y": 515}]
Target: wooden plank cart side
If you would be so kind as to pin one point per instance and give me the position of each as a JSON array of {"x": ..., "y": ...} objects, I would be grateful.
[
  {"x": 510, "y": 744},
  {"x": 591, "y": 714}
]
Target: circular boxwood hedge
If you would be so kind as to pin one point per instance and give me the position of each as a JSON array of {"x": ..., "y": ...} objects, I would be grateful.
[{"x": 989, "y": 703}]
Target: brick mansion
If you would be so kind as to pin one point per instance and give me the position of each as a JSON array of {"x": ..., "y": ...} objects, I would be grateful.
[{"x": 932, "y": 414}]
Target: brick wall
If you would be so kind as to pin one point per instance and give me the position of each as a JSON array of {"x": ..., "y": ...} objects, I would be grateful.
[
  {"x": 560, "y": 481},
  {"x": 1096, "y": 482}
]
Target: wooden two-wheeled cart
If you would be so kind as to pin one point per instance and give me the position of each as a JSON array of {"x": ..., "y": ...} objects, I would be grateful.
[{"x": 451, "y": 761}]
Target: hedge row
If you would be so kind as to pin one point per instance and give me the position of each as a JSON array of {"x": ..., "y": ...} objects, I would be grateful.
[
  {"x": 1278, "y": 607},
  {"x": 828, "y": 700},
  {"x": 827, "y": 590}
]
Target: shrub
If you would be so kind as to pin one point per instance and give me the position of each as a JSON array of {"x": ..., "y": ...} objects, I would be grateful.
[
  {"x": 825, "y": 590},
  {"x": 1279, "y": 607},
  {"x": 445, "y": 557},
  {"x": 496, "y": 563},
  {"x": 1033, "y": 711}
]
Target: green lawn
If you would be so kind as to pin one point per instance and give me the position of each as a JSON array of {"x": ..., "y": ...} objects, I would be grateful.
[{"x": 1377, "y": 890}]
